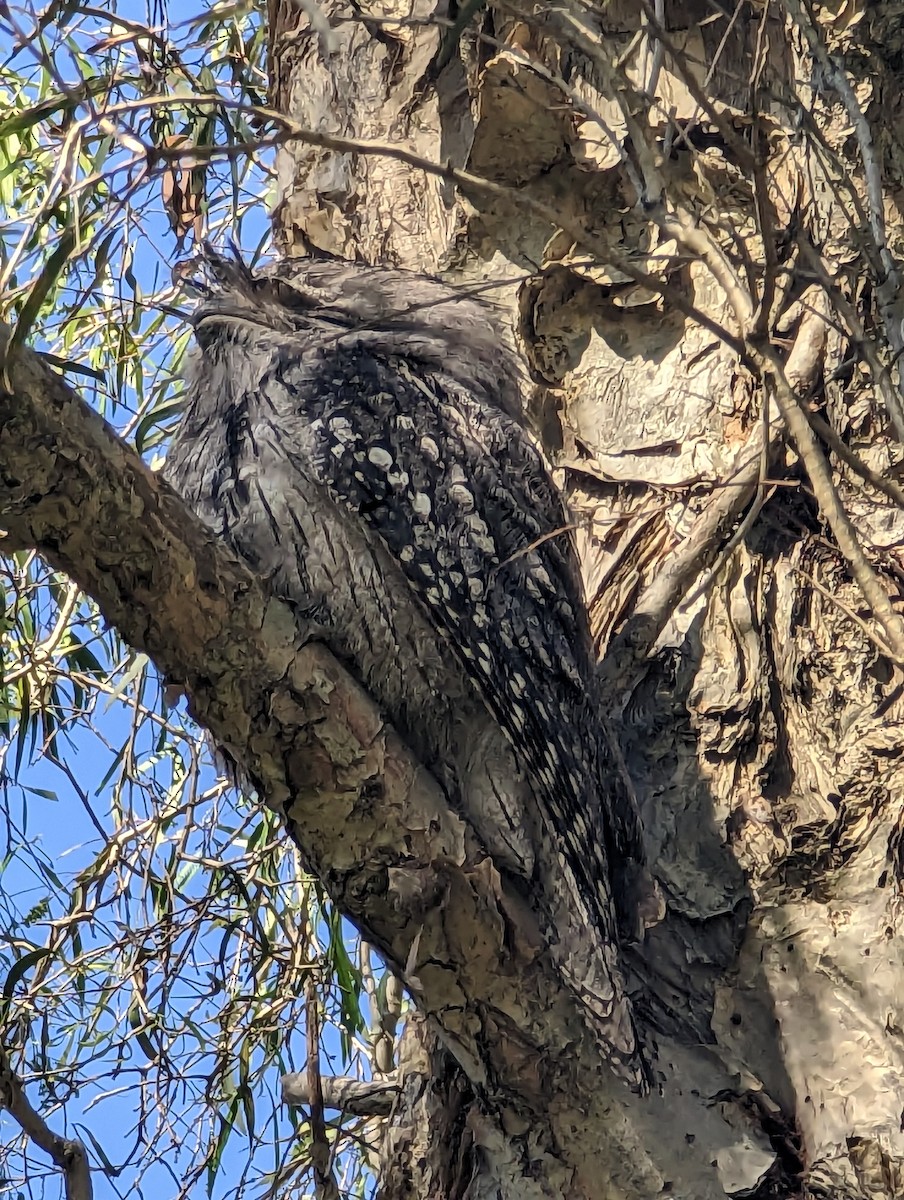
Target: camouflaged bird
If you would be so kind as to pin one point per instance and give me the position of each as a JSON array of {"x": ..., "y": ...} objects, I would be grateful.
[{"x": 355, "y": 433}]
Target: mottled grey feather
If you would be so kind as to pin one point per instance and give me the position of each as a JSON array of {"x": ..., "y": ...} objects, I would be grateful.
[{"x": 355, "y": 432}]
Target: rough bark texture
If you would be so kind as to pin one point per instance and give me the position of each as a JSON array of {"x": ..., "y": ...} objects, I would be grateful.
[{"x": 759, "y": 720}]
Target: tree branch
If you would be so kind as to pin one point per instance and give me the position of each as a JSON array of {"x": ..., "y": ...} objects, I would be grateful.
[
  {"x": 325, "y": 1185},
  {"x": 67, "y": 1153},
  {"x": 697, "y": 552},
  {"x": 357, "y": 1097}
]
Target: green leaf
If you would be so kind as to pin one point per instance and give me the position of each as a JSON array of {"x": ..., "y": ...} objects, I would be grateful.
[
  {"x": 348, "y": 977},
  {"x": 139, "y": 1025},
  {"x": 42, "y": 287},
  {"x": 111, "y": 1171},
  {"x": 28, "y": 723},
  {"x": 150, "y": 429},
  {"x": 20, "y": 967},
  {"x": 216, "y": 1157},
  {"x": 44, "y": 793}
]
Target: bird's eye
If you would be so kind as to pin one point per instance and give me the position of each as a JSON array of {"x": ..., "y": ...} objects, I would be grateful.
[{"x": 293, "y": 297}]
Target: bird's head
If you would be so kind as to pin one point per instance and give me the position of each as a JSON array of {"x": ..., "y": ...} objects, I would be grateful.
[{"x": 328, "y": 304}]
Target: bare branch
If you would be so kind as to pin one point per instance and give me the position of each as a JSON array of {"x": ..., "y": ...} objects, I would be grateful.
[
  {"x": 289, "y": 130},
  {"x": 67, "y": 1153},
  {"x": 887, "y": 487},
  {"x": 358, "y": 1098},
  {"x": 886, "y": 277},
  {"x": 833, "y": 510},
  {"x": 324, "y": 1181}
]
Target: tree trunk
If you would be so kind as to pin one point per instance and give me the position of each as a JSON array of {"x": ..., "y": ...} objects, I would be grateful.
[
  {"x": 705, "y": 293},
  {"x": 754, "y": 695}
]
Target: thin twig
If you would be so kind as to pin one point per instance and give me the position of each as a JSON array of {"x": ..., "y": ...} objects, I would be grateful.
[
  {"x": 291, "y": 130},
  {"x": 887, "y": 280},
  {"x": 658, "y": 48},
  {"x": 833, "y": 510},
  {"x": 689, "y": 79},
  {"x": 325, "y": 1184},
  {"x": 845, "y": 608},
  {"x": 696, "y": 552},
  {"x": 760, "y": 497},
  {"x": 887, "y": 487},
  {"x": 848, "y": 314},
  {"x": 676, "y": 222},
  {"x": 536, "y": 544}
]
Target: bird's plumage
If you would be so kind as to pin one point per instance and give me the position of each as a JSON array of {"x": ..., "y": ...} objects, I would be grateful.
[{"x": 355, "y": 432}]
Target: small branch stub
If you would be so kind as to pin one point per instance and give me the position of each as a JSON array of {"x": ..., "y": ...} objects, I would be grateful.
[{"x": 356, "y": 1097}]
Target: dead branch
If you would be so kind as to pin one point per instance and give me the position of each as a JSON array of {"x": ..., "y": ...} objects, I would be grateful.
[{"x": 325, "y": 1185}]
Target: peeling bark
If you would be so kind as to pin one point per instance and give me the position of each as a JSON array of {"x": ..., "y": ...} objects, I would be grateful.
[{"x": 758, "y": 716}]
